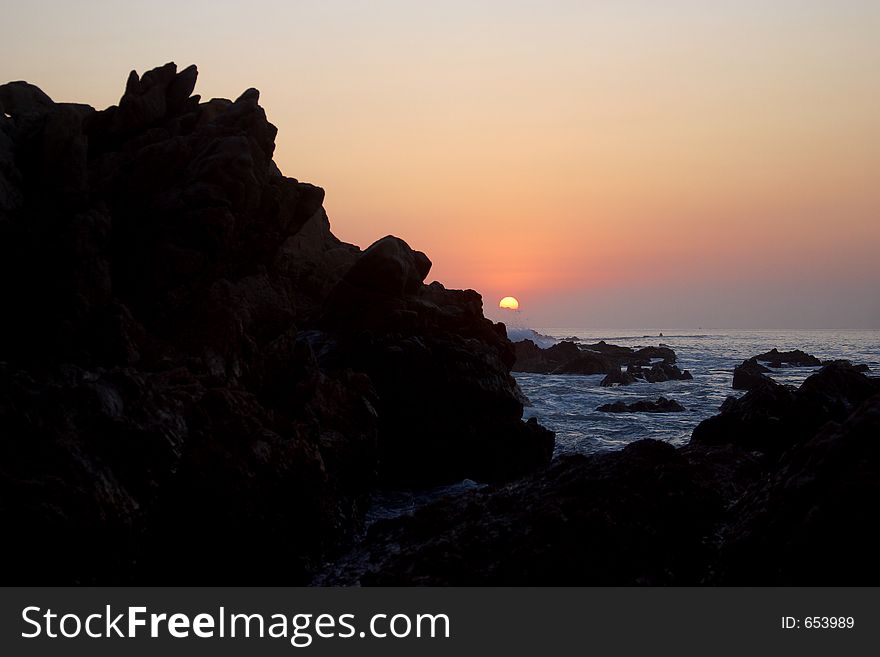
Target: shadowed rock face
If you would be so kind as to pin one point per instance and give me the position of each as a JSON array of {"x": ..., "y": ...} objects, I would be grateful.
[{"x": 197, "y": 377}]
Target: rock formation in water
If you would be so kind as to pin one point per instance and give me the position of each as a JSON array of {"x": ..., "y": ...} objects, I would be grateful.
[
  {"x": 773, "y": 417},
  {"x": 780, "y": 488},
  {"x": 657, "y": 373},
  {"x": 795, "y": 358},
  {"x": 198, "y": 381},
  {"x": 661, "y": 405},
  {"x": 750, "y": 374},
  {"x": 566, "y": 357}
]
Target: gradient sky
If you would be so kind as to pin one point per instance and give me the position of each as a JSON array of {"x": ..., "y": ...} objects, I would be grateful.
[{"x": 640, "y": 164}]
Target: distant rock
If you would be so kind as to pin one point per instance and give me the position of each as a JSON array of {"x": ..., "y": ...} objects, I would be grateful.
[
  {"x": 796, "y": 358},
  {"x": 662, "y": 405},
  {"x": 567, "y": 357},
  {"x": 631, "y": 356},
  {"x": 750, "y": 374},
  {"x": 562, "y": 358}
]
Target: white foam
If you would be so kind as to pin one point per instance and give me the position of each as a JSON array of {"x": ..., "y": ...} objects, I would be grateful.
[{"x": 515, "y": 334}]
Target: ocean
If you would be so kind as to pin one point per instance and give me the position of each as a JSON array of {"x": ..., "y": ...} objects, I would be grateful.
[{"x": 567, "y": 403}]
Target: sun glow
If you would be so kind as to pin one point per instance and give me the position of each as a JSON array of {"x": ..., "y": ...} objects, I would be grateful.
[{"x": 509, "y": 303}]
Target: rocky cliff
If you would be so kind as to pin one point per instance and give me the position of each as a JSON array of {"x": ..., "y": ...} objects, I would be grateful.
[{"x": 198, "y": 381}]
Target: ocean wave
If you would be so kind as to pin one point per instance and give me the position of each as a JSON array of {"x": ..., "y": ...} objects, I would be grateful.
[{"x": 518, "y": 334}]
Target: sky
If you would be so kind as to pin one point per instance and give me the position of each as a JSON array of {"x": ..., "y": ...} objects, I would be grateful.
[{"x": 610, "y": 164}]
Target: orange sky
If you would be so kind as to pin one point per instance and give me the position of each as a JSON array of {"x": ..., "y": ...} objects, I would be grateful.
[{"x": 587, "y": 158}]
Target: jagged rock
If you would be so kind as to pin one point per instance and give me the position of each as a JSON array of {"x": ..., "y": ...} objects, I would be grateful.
[
  {"x": 750, "y": 374},
  {"x": 184, "y": 391},
  {"x": 373, "y": 291},
  {"x": 796, "y": 357},
  {"x": 662, "y": 405}
]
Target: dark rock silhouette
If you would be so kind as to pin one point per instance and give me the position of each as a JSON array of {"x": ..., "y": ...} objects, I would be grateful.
[
  {"x": 779, "y": 488},
  {"x": 657, "y": 373},
  {"x": 566, "y": 357},
  {"x": 563, "y": 355},
  {"x": 750, "y": 374},
  {"x": 618, "y": 378},
  {"x": 772, "y": 417},
  {"x": 662, "y": 405},
  {"x": 796, "y": 357},
  {"x": 814, "y": 519},
  {"x": 858, "y": 368},
  {"x": 197, "y": 377},
  {"x": 637, "y": 516}
]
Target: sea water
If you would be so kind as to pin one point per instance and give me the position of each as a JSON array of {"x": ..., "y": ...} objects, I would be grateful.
[{"x": 567, "y": 403}]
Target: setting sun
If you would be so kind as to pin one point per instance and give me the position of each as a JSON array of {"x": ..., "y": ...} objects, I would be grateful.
[{"x": 509, "y": 303}]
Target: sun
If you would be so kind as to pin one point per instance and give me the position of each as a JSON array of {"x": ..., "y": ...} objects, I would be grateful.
[{"x": 509, "y": 303}]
